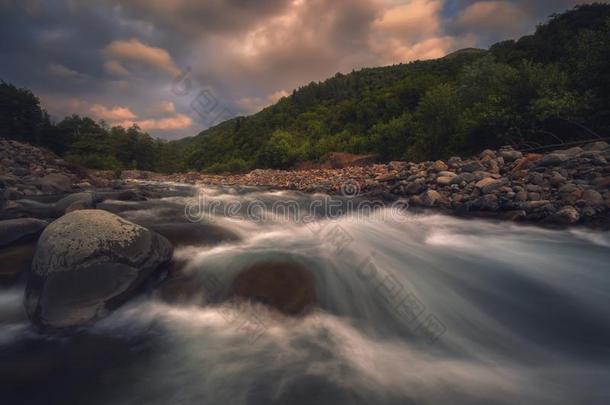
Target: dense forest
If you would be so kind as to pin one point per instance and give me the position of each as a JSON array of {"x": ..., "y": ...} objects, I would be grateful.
[
  {"x": 81, "y": 140},
  {"x": 549, "y": 86}
]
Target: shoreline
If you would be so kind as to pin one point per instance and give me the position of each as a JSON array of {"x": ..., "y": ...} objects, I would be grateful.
[{"x": 561, "y": 188}]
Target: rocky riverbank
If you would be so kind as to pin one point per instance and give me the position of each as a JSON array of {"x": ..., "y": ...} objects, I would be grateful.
[
  {"x": 76, "y": 224},
  {"x": 66, "y": 237},
  {"x": 28, "y": 171},
  {"x": 565, "y": 187},
  {"x": 562, "y": 187}
]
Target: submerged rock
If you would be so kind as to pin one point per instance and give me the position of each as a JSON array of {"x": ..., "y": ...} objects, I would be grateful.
[
  {"x": 87, "y": 263},
  {"x": 130, "y": 195},
  {"x": 74, "y": 201},
  {"x": 193, "y": 233},
  {"x": 285, "y": 286},
  {"x": 183, "y": 290}
]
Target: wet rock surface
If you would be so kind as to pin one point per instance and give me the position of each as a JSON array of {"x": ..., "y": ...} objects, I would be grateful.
[
  {"x": 285, "y": 286},
  {"x": 20, "y": 230},
  {"x": 183, "y": 290},
  {"x": 541, "y": 185},
  {"x": 193, "y": 234},
  {"x": 30, "y": 171},
  {"x": 87, "y": 263},
  {"x": 573, "y": 184}
]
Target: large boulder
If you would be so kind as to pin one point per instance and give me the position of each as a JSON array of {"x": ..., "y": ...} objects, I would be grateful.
[
  {"x": 29, "y": 208},
  {"x": 70, "y": 203},
  {"x": 285, "y": 286},
  {"x": 19, "y": 230},
  {"x": 183, "y": 290},
  {"x": 194, "y": 234},
  {"x": 55, "y": 183},
  {"x": 87, "y": 263}
]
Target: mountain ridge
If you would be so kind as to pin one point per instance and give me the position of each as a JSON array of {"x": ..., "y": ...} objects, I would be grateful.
[{"x": 424, "y": 109}]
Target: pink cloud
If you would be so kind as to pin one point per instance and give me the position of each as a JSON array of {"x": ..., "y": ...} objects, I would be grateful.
[
  {"x": 113, "y": 114},
  {"x": 135, "y": 51},
  {"x": 180, "y": 121}
]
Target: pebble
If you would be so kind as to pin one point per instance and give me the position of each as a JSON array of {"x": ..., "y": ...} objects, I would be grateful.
[{"x": 504, "y": 181}]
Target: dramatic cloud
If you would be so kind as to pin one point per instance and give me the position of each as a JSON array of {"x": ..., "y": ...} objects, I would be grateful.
[
  {"x": 164, "y": 107},
  {"x": 112, "y": 115},
  {"x": 415, "y": 18},
  {"x": 180, "y": 121},
  {"x": 64, "y": 72},
  {"x": 115, "y": 59},
  {"x": 136, "y": 52},
  {"x": 310, "y": 40},
  {"x": 114, "y": 67},
  {"x": 413, "y": 30},
  {"x": 196, "y": 17},
  {"x": 498, "y": 19}
]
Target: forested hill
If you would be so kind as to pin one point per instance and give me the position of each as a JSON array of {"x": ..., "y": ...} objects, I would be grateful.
[{"x": 553, "y": 84}]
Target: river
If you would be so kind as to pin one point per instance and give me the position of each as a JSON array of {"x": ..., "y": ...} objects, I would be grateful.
[{"x": 411, "y": 308}]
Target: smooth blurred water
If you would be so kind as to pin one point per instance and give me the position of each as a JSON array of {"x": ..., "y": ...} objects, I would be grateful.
[{"x": 412, "y": 309}]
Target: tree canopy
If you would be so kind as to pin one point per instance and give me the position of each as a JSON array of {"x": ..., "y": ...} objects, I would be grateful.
[
  {"x": 554, "y": 84},
  {"x": 549, "y": 85}
]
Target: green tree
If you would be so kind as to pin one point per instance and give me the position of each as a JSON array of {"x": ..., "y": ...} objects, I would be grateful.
[
  {"x": 438, "y": 116},
  {"x": 280, "y": 151},
  {"x": 21, "y": 116}
]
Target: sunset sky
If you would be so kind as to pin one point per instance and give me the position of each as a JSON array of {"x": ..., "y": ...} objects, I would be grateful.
[{"x": 115, "y": 60}]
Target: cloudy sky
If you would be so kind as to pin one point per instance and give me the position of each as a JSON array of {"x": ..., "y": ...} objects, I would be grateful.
[{"x": 175, "y": 67}]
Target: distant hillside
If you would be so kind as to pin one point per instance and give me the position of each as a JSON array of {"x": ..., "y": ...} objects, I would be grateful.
[
  {"x": 535, "y": 90},
  {"x": 545, "y": 88}
]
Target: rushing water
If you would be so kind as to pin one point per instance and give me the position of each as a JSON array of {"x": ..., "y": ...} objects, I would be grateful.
[{"x": 411, "y": 309}]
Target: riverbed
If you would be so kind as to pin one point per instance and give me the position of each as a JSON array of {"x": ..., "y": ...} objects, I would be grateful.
[{"x": 410, "y": 308}]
